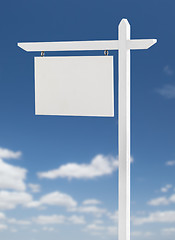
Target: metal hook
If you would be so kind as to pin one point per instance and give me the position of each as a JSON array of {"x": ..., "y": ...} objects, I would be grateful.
[
  {"x": 42, "y": 54},
  {"x": 106, "y": 52}
]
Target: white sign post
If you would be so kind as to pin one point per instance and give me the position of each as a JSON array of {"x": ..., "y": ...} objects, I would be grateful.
[{"x": 124, "y": 45}]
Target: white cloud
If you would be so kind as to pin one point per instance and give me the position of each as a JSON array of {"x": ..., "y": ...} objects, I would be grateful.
[
  {"x": 170, "y": 163},
  {"x": 19, "y": 222},
  {"x": 12, "y": 177},
  {"x": 8, "y": 154},
  {"x": 90, "y": 210},
  {"x": 34, "y": 187},
  {"x": 172, "y": 198},
  {"x": 33, "y": 204},
  {"x": 168, "y": 70},
  {"x": 53, "y": 219},
  {"x": 49, "y": 229},
  {"x": 159, "y": 201},
  {"x": 53, "y": 199},
  {"x": 14, "y": 230},
  {"x": 166, "y": 188},
  {"x": 162, "y": 201},
  {"x": 112, "y": 230},
  {"x": 168, "y": 231},
  {"x": 167, "y": 91},
  {"x": 99, "y": 166},
  {"x": 91, "y": 202},
  {"x": 95, "y": 227},
  {"x": 9, "y": 200},
  {"x": 136, "y": 233},
  {"x": 94, "y": 233},
  {"x": 59, "y": 219},
  {"x": 141, "y": 234},
  {"x": 155, "y": 217},
  {"x": 2, "y": 215},
  {"x": 98, "y": 229},
  {"x": 113, "y": 216},
  {"x": 76, "y": 219},
  {"x": 58, "y": 199},
  {"x": 98, "y": 221},
  {"x": 3, "y": 227}
]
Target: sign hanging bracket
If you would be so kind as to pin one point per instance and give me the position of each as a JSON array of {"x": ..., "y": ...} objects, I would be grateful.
[{"x": 42, "y": 53}]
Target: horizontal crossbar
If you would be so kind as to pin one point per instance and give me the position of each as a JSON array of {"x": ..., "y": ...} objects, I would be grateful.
[
  {"x": 69, "y": 46},
  {"x": 85, "y": 45}
]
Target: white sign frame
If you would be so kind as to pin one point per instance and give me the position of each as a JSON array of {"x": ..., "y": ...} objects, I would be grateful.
[{"x": 74, "y": 86}]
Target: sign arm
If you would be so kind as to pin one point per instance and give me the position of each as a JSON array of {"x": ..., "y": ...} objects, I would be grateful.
[
  {"x": 69, "y": 46},
  {"x": 141, "y": 43}
]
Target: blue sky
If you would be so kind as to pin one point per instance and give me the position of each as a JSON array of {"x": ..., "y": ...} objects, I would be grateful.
[{"x": 78, "y": 207}]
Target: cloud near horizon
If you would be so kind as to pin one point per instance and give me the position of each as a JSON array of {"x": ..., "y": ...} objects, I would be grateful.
[
  {"x": 58, "y": 219},
  {"x": 155, "y": 217}
]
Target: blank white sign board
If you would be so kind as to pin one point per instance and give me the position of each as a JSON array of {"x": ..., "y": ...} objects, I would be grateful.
[{"x": 77, "y": 86}]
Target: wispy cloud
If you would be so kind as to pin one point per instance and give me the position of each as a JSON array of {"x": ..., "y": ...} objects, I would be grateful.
[
  {"x": 2, "y": 216},
  {"x": 166, "y": 188},
  {"x": 95, "y": 227},
  {"x": 9, "y": 154},
  {"x": 168, "y": 70},
  {"x": 34, "y": 187},
  {"x": 13, "y": 230},
  {"x": 59, "y": 219},
  {"x": 170, "y": 163},
  {"x": 100, "y": 229},
  {"x": 155, "y": 217},
  {"x": 169, "y": 231},
  {"x": 99, "y": 166},
  {"x": 113, "y": 216},
  {"x": 90, "y": 210},
  {"x": 162, "y": 201},
  {"x": 141, "y": 234},
  {"x": 159, "y": 201},
  {"x": 3, "y": 227},
  {"x": 53, "y": 219},
  {"x": 77, "y": 219},
  {"x": 167, "y": 91},
  {"x": 19, "y": 222},
  {"x": 91, "y": 202},
  {"x": 49, "y": 229}
]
